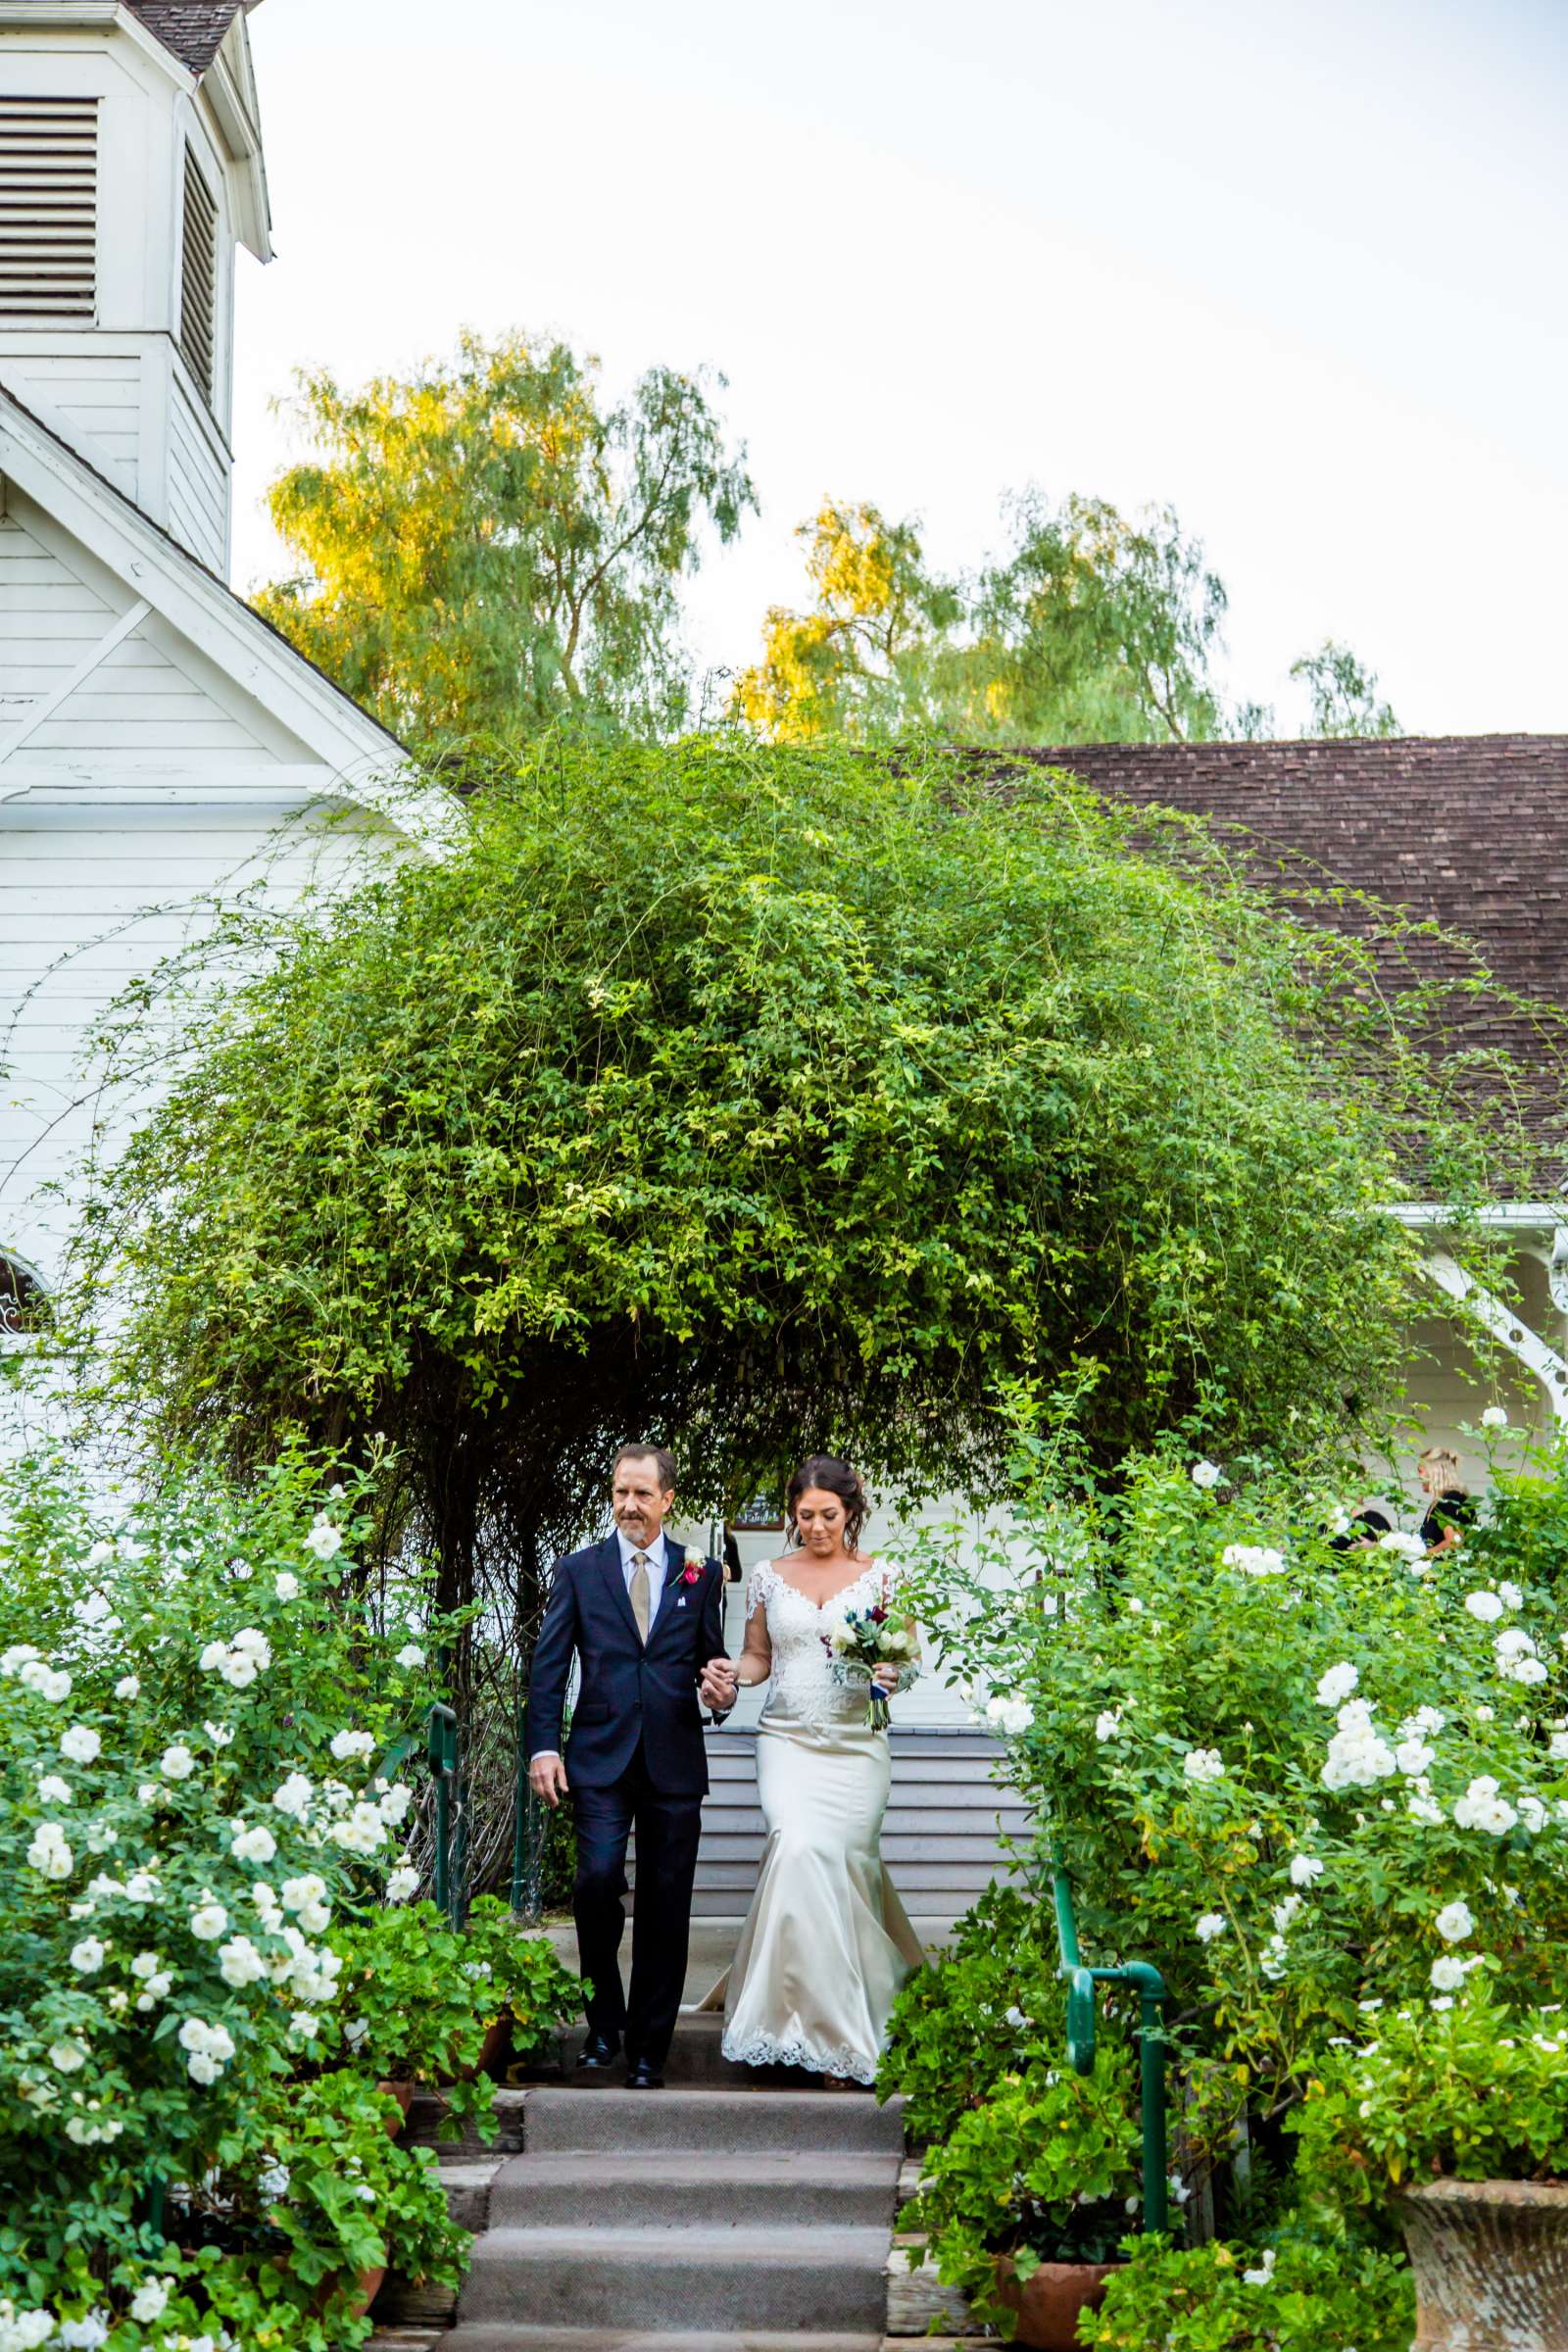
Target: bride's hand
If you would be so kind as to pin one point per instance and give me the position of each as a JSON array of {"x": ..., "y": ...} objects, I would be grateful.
[{"x": 886, "y": 1678}]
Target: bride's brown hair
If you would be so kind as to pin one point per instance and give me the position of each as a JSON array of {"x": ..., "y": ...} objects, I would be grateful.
[{"x": 833, "y": 1477}]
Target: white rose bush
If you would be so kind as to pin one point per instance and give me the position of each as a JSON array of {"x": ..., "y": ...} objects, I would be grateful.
[
  {"x": 198, "y": 1846},
  {"x": 1310, "y": 1785}
]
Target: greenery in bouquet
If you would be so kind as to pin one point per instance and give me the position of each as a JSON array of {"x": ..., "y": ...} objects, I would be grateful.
[
  {"x": 1464, "y": 2087},
  {"x": 195, "y": 1695}
]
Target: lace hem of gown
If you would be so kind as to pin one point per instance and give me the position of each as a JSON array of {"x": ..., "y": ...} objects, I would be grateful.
[{"x": 764, "y": 2049}]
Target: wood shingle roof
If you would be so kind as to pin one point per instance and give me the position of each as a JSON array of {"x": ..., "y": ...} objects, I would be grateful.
[
  {"x": 1469, "y": 833},
  {"x": 193, "y": 30}
]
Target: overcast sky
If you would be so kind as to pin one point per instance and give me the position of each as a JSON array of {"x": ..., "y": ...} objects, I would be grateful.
[{"x": 1296, "y": 268}]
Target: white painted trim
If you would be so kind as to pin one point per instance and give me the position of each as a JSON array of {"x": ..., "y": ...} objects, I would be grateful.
[
  {"x": 1516, "y": 1335},
  {"x": 1498, "y": 1216},
  {"x": 45, "y": 711}
]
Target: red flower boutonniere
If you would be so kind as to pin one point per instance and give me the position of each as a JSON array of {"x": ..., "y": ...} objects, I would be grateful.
[{"x": 692, "y": 1573}]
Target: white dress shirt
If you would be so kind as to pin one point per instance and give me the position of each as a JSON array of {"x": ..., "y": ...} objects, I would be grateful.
[{"x": 657, "y": 1558}]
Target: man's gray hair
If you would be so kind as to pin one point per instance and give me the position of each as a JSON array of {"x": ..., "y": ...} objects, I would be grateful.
[{"x": 662, "y": 1459}]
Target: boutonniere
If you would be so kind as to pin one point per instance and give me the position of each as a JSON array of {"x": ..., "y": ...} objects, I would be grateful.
[{"x": 693, "y": 1571}]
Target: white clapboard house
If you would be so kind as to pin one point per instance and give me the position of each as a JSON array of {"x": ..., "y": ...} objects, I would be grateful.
[{"x": 162, "y": 749}]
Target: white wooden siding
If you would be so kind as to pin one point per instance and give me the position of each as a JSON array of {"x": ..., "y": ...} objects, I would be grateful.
[
  {"x": 198, "y": 482},
  {"x": 94, "y": 396},
  {"x": 91, "y": 895}
]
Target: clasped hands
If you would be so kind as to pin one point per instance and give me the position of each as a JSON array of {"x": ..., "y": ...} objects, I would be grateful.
[{"x": 720, "y": 1686}]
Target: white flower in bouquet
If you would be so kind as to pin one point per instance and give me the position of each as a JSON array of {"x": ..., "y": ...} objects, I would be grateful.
[
  {"x": 1337, "y": 1684},
  {"x": 144, "y": 1965},
  {"x": 1285, "y": 1911},
  {"x": 81, "y": 1744},
  {"x": 1263, "y": 2274},
  {"x": 304, "y": 2024},
  {"x": 323, "y": 1539},
  {"x": 1204, "y": 1764},
  {"x": 1454, "y": 1922},
  {"x": 1423, "y": 1724},
  {"x": 1205, "y": 1476}
]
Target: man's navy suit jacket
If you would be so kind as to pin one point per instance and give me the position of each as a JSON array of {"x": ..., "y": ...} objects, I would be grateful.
[{"x": 629, "y": 1693}]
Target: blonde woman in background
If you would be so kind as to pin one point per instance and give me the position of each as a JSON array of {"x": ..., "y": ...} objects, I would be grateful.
[{"x": 1451, "y": 1506}]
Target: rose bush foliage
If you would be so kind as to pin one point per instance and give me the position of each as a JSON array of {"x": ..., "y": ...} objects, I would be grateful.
[
  {"x": 200, "y": 1822},
  {"x": 1317, "y": 1787}
]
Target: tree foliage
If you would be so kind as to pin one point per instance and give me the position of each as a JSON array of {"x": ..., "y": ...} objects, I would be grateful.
[
  {"x": 1092, "y": 627},
  {"x": 1344, "y": 694},
  {"x": 487, "y": 547},
  {"x": 760, "y": 1101}
]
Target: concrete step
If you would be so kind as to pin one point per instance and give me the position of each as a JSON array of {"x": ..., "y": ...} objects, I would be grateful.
[
  {"x": 696, "y": 2059},
  {"x": 425, "y": 2122},
  {"x": 478, "y": 2338},
  {"x": 816, "y": 2280},
  {"x": 799, "y": 2190},
  {"x": 619, "y": 2121}
]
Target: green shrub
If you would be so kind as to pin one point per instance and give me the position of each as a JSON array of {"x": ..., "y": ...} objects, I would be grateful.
[
  {"x": 1472, "y": 2090},
  {"x": 1303, "y": 2295},
  {"x": 989, "y": 2008},
  {"x": 197, "y": 1851}
]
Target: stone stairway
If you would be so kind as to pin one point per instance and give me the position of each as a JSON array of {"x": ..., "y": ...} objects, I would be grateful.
[{"x": 722, "y": 2214}]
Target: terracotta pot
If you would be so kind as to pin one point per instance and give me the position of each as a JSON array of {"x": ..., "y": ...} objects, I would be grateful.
[
  {"x": 1491, "y": 2263},
  {"x": 496, "y": 2055},
  {"x": 1050, "y": 2303},
  {"x": 403, "y": 2092},
  {"x": 369, "y": 2289}
]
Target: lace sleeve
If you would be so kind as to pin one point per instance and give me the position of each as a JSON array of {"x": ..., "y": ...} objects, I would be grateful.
[{"x": 760, "y": 1587}]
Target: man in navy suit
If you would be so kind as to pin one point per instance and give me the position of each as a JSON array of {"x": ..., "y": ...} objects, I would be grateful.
[{"x": 646, "y": 1619}]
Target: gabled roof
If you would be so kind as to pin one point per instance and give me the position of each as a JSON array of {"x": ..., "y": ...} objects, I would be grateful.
[
  {"x": 359, "y": 760},
  {"x": 1469, "y": 832},
  {"x": 193, "y": 30}
]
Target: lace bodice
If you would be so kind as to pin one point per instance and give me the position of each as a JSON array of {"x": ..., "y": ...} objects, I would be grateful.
[{"x": 803, "y": 1685}]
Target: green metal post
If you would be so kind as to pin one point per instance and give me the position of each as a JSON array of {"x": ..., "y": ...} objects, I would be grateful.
[
  {"x": 1151, "y": 1989},
  {"x": 443, "y": 1754}
]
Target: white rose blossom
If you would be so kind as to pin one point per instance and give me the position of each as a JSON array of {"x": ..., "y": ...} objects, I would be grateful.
[
  {"x": 1447, "y": 1972},
  {"x": 49, "y": 1854},
  {"x": 128, "y": 1687},
  {"x": 53, "y": 1791},
  {"x": 1211, "y": 1924},
  {"x": 1108, "y": 1725},
  {"x": 1205, "y": 1476},
  {"x": 150, "y": 2300},
  {"x": 1484, "y": 1605},
  {"x": 1304, "y": 1868},
  {"x": 1337, "y": 1684},
  {"x": 286, "y": 1584},
  {"x": 81, "y": 1744},
  {"x": 323, "y": 1539},
  {"x": 253, "y": 1844},
  {"x": 403, "y": 1883},
  {"x": 177, "y": 1763},
  {"x": 209, "y": 1921},
  {"x": 88, "y": 1956},
  {"x": 410, "y": 1656},
  {"x": 1253, "y": 1559},
  {"x": 1454, "y": 1922},
  {"x": 1494, "y": 1417},
  {"x": 1204, "y": 1764},
  {"x": 345, "y": 1745}
]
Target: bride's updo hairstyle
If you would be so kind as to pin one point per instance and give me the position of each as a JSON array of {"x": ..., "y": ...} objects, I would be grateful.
[{"x": 830, "y": 1476}]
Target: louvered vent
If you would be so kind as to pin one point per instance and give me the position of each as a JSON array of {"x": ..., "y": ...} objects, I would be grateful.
[
  {"x": 48, "y": 210},
  {"x": 198, "y": 280}
]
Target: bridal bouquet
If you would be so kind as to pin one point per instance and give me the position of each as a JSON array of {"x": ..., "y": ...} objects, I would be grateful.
[{"x": 859, "y": 1641}]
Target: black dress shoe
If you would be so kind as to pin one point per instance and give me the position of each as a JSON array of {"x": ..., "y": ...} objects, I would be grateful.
[
  {"x": 598, "y": 2052},
  {"x": 643, "y": 2075}
]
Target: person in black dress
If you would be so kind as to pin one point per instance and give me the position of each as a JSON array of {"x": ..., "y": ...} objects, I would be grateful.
[{"x": 1451, "y": 1506}]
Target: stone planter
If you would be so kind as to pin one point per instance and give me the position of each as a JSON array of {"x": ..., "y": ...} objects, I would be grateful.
[
  {"x": 1050, "y": 2303},
  {"x": 1491, "y": 2263}
]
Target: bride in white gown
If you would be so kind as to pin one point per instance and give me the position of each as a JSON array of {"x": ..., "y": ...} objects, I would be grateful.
[{"x": 826, "y": 1943}]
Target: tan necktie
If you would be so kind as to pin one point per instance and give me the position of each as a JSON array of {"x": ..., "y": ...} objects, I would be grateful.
[{"x": 639, "y": 1593}]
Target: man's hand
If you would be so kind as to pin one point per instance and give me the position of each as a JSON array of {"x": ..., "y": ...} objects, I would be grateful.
[
  {"x": 720, "y": 1686},
  {"x": 547, "y": 1778}
]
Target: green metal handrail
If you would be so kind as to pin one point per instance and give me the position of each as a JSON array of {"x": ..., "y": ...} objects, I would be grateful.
[{"x": 1151, "y": 1989}]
